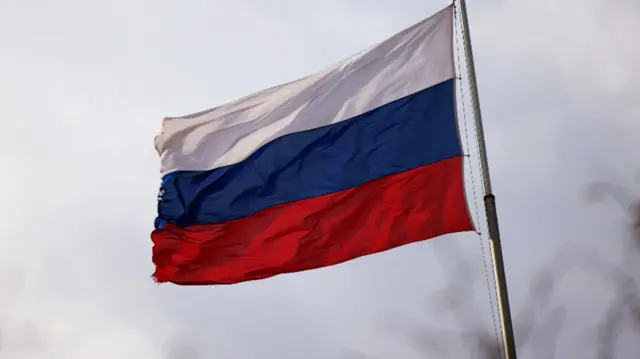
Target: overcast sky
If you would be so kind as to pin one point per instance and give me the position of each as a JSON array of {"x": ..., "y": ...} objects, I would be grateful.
[{"x": 84, "y": 86}]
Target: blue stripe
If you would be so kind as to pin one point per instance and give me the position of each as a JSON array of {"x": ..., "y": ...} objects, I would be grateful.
[{"x": 414, "y": 131}]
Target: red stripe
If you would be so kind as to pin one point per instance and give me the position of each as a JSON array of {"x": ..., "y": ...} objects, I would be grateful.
[{"x": 386, "y": 213}]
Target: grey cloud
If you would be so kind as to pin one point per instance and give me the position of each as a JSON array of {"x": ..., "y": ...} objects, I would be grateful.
[{"x": 85, "y": 85}]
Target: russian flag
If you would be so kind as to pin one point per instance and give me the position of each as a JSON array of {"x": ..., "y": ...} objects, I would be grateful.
[{"x": 353, "y": 160}]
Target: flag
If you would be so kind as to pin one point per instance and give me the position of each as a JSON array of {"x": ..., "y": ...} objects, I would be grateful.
[{"x": 356, "y": 159}]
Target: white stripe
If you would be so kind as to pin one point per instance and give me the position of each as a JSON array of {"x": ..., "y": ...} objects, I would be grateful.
[{"x": 415, "y": 59}]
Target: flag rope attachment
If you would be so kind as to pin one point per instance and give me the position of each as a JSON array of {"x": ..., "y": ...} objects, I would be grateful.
[
  {"x": 491, "y": 288},
  {"x": 489, "y": 197}
]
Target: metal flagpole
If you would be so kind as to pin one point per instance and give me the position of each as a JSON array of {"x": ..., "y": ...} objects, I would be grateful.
[{"x": 489, "y": 199}]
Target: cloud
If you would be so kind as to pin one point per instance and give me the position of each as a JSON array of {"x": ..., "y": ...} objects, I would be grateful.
[{"x": 85, "y": 85}]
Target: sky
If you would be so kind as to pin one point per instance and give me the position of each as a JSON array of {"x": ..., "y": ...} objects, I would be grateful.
[{"x": 84, "y": 86}]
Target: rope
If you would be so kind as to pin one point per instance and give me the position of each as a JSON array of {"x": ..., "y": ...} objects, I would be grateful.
[{"x": 457, "y": 35}]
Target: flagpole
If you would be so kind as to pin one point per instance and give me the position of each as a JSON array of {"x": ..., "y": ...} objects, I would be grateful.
[{"x": 489, "y": 199}]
